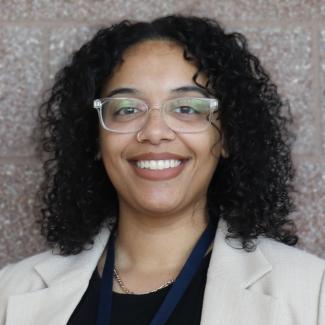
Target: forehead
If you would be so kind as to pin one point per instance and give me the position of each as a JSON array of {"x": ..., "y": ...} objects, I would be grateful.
[
  {"x": 153, "y": 64},
  {"x": 156, "y": 47}
]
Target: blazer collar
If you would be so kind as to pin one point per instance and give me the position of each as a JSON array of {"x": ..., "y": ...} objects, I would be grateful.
[
  {"x": 66, "y": 280},
  {"x": 229, "y": 261},
  {"x": 63, "y": 268},
  {"x": 232, "y": 271},
  {"x": 226, "y": 299}
]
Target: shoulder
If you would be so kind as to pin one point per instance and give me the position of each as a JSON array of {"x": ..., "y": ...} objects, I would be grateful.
[
  {"x": 293, "y": 278},
  {"x": 21, "y": 276},
  {"x": 36, "y": 271},
  {"x": 296, "y": 277},
  {"x": 49, "y": 267},
  {"x": 294, "y": 260},
  {"x": 26, "y": 264},
  {"x": 293, "y": 267}
]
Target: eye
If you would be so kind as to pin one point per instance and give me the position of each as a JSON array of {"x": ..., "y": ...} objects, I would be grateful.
[
  {"x": 125, "y": 110},
  {"x": 125, "y": 107},
  {"x": 185, "y": 110}
]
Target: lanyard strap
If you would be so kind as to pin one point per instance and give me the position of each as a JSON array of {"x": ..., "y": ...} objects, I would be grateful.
[
  {"x": 174, "y": 294},
  {"x": 105, "y": 300}
]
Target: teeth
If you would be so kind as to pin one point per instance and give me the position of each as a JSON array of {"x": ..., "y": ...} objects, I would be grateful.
[{"x": 158, "y": 164}]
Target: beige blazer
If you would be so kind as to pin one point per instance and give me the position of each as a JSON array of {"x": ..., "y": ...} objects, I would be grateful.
[{"x": 274, "y": 285}]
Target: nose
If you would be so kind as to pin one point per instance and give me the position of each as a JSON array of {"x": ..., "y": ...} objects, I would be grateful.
[{"x": 155, "y": 130}]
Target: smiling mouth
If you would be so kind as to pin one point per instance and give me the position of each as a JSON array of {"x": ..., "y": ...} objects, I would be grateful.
[
  {"x": 158, "y": 164},
  {"x": 158, "y": 170}
]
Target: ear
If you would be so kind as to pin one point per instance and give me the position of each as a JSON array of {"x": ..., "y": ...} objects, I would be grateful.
[
  {"x": 98, "y": 155},
  {"x": 224, "y": 150},
  {"x": 224, "y": 153}
]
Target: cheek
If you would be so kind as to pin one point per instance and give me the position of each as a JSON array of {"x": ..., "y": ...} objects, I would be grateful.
[
  {"x": 114, "y": 147},
  {"x": 106, "y": 147},
  {"x": 111, "y": 148},
  {"x": 206, "y": 145},
  {"x": 215, "y": 141},
  {"x": 208, "y": 152},
  {"x": 113, "y": 144}
]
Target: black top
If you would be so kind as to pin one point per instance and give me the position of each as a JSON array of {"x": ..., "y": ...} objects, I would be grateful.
[{"x": 139, "y": 309}]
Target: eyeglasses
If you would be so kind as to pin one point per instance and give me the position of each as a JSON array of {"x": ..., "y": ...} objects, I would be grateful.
[{"x": 129, "y": 115}]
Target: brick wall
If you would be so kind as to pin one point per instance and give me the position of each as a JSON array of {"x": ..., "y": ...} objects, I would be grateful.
[{"x": 37, "y": 36}]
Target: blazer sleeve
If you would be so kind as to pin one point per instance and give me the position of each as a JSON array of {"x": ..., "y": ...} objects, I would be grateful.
[
  {"x": 321, "y": 320},
  {"x": 3, "y": 293}
]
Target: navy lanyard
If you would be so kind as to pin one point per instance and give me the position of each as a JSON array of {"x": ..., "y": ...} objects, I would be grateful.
[{"x": 174, "y": 294}]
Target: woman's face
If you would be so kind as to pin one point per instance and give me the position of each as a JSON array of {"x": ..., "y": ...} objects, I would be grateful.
[{"x": 153, "y": 71}]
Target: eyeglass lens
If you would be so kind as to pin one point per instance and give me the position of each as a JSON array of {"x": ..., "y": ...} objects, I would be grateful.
[{"x": 130, "y": 115}]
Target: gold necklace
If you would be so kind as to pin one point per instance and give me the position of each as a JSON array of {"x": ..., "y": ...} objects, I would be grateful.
[{"x": 126, "y": 290}]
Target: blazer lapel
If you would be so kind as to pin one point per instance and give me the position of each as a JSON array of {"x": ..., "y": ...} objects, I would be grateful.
[
  {"x": 66, "y": 279},
  {"x": 231, "y": 272}
]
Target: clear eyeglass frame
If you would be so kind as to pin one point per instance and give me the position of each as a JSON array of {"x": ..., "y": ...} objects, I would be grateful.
[{"x": 99, "y": 102}]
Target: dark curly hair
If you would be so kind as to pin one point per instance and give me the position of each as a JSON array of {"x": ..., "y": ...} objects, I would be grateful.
[{"x": 251, "y": 189}]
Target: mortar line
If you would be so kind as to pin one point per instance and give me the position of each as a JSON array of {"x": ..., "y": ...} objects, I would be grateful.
[
  {"x": 315, "y": 56},
  {"x": 66, "y": 22},
  {"x": 19, "y": 160}
]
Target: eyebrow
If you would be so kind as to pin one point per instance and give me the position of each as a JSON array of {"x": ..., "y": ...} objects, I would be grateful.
[
  {"x": 183, "y": 89},
  {"x": 200, "y": 90},
  {"x": 122, "y": 91}
]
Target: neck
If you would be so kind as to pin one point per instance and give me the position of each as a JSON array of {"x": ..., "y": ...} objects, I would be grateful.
[{"x": 155, "y": 243}]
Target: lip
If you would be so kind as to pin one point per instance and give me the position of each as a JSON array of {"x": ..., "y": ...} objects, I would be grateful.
[{"x": 157, "y": 156}]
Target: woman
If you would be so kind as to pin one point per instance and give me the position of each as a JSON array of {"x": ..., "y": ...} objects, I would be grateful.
[{"x": 172, "y": 207}]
